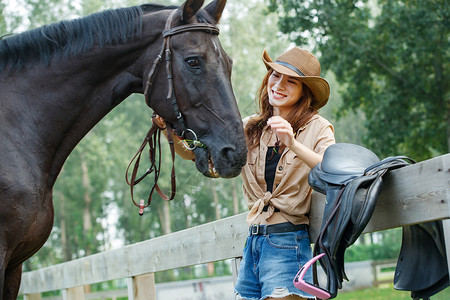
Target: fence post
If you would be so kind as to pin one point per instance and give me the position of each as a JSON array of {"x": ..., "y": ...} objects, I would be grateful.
[
  {"x": 374, "y": 273},
  {"x": 235, "y": 262},
  {"x": 446, "y": 223},
  {"x": 142, "y": 287},
  {"x": 32, "y": 297},
  {"x": 75, "y": 293},
  {"x": 446, "y": 226}
]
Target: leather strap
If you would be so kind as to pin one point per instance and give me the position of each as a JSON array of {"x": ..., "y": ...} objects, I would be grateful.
[
  {"x": 152, "y": 138},
  {"x": 275, "y": 228},
  {"x": 168, "y": 32},
  {"x": 205, "y": 27}
]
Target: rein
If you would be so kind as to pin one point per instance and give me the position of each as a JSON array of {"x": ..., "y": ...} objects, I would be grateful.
[{"x": 153, "y": 136}]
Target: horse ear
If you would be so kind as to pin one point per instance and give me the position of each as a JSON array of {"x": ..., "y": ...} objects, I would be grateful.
[
  {"x": 190, "y": 8},
  {"x": 215, "y": 9}
]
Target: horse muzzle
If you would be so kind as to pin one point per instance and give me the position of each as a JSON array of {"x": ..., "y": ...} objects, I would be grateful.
[{"x": 225, "y": 162}]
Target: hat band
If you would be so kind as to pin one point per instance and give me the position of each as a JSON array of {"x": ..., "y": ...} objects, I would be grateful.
[{"x": 288, "y": 65}]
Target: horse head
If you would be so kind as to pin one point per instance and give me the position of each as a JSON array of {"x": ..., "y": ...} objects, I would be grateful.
[{"x": 191, "y": 89}]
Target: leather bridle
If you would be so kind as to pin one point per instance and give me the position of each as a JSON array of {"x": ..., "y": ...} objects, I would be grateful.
[
  {"x": 169, "y": 31},
  {"x": 153, "y": 136}
]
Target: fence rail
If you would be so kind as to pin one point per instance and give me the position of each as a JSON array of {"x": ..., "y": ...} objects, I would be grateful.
[{"x": 413, "y": 194}]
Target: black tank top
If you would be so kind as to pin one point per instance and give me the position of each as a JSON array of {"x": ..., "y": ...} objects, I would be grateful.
[{"x": 272, "y": 159}]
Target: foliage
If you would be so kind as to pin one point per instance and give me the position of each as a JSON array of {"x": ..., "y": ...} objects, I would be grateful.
[
  {"x": 2, "y": 18},
  {"x": 392, "y": 59},
  {"x": 387, "y": 247},
  {"x": 245, "y": 45}
]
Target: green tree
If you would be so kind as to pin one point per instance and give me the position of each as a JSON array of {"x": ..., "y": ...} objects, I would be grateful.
[
  {"x": 2, "y": 19},
  {"x": 10, "y": 19},
  {"x": 392, "y": 59},
  {"x": 247, "y": 28}
]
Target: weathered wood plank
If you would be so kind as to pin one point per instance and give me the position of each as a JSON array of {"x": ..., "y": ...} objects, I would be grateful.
[
  {"x": 414, "y": 194},
  {"x": 446, "y": 223}
]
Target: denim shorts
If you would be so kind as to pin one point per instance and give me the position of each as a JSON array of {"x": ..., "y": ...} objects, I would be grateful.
[{"x": 270, "y": 263}]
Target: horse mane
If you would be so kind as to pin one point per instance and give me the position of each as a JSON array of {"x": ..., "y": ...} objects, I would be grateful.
[{"x": 71, "y": 37}]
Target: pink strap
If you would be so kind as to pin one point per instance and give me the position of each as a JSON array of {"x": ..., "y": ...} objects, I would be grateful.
[{"x": 307, "y": 287}]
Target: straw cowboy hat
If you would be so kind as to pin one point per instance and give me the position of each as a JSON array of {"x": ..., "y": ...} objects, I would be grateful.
[{"x": 301, "y": 64}]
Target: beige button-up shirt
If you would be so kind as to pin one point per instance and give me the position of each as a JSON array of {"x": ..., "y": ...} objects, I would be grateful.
[{"x": 291, "y": 191}]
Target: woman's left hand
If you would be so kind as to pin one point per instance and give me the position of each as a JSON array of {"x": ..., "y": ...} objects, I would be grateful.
[{"x": 283, "y": 130}]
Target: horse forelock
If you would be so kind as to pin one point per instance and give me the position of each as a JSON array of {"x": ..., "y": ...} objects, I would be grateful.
[
  {"x": 204, "y": 17},
  {"x": 72, "y": 37}
]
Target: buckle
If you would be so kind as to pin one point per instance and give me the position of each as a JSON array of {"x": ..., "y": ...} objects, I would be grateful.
[{"x": 254, "y": 230}]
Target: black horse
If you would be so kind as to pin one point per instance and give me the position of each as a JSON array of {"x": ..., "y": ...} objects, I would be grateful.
[{"x": 58, "y": 81}]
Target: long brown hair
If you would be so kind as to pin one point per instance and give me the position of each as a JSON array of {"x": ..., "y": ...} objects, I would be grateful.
[{"x": 297, "y": 117}]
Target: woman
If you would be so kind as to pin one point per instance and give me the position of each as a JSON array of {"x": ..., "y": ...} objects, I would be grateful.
[{"x": 285, "y": 140}]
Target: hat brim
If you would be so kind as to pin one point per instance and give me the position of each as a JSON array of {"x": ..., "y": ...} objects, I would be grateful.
[{"x": 318, "y": 85}]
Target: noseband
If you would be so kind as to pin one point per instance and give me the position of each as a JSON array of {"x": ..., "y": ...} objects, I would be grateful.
[
  {"x": 153, "y": 136},
  {"x": 168, "y": 32}
]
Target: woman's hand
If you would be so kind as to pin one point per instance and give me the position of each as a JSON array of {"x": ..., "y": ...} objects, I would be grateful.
[
  {"x": 285, "y": 134},
  {"x": 283, "y": 130}
]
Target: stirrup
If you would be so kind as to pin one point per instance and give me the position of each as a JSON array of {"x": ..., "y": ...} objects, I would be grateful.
[{"x": 307, "y": 287}]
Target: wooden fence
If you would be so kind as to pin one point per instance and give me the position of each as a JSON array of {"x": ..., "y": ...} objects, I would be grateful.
[{"x": 413, "y": 194}]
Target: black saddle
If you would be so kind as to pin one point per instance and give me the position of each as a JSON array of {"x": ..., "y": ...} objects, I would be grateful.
[
  {"x": 422, "y": 262},
  {"x": 351, "y": 178}
]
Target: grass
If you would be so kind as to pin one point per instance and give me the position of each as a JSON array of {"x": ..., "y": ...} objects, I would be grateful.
[{"x": 386, "y": 292}]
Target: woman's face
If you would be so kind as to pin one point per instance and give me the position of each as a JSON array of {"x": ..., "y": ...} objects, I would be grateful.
[{"x": 283, "y": 91}]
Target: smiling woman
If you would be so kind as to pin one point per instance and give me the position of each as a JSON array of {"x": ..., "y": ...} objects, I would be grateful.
[{"x": 285, "y": 139}]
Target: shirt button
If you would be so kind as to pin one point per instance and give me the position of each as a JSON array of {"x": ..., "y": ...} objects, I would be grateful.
[{"x": 280, "y": 168}]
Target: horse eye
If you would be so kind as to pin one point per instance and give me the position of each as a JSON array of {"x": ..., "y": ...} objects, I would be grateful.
[{"x": 192, "y": 62}]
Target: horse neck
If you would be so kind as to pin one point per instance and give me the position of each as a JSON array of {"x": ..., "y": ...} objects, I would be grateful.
[{"x": 69, "y": 97}]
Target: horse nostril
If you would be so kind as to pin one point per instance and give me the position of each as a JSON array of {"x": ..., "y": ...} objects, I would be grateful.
[
  {"x": 230, "y": 161},
  {"x": 227, "y": 153},
  {"x": 233, "y": 157}
]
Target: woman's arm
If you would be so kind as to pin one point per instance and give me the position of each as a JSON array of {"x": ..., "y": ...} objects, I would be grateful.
[{"x": 285, "y": 134}]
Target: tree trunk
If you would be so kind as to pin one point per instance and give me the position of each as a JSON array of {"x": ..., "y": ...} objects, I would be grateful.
[
  {"x": 210, "y": 265},
  {"x": 164, "y": 217},
  {"x": 87, "y": 223},
  {"x": 215, "y": 199},
  {"x": 235, "y": 196},
  {"x": 363, "y": 239},
  {"x": 67, "y": 254}
]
